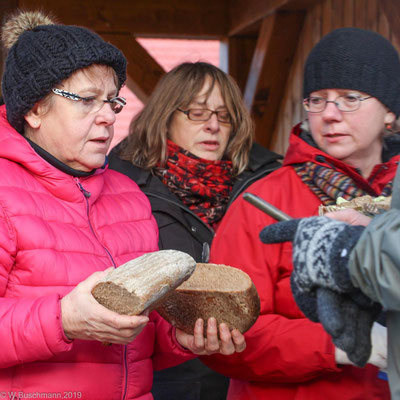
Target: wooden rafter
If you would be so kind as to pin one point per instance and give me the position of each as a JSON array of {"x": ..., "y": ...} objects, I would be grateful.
[
  {"x": 159, "y": 18},
  {"x": 143, "y": 71},
  {"x": 392, "y": 13},
  {"x": 270, "y": 67},
  {"x": 244, "y": 13},
  {"x": 241, "y": 49},
  {"x": 259, "y": 60}
]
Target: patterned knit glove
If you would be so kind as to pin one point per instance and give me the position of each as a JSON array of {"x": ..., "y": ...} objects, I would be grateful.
[{"x": 321, "y": 283}]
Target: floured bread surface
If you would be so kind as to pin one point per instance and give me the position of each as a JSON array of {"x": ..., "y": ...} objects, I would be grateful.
[
  {"x": 219, "y": 291},
  {"x": 140, "y": 283},
  {"x": 367, "y": 205}
]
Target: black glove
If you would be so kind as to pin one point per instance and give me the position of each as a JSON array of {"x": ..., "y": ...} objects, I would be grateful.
[{"x": 321, "y": 283}]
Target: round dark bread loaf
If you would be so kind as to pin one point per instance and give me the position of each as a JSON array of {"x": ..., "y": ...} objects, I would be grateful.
[
  {"x": 142, "y": 282},
  {"x": 213, "y": 290}
]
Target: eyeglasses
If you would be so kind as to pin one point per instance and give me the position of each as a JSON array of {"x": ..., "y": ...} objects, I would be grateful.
[
  {"x": 202, "y": 114},
  {"x": 345, "y": 103},
  {"x": 92, "y": 104}
]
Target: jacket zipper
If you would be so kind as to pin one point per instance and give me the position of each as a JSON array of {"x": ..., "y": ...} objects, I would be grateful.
[
  {"x": 372, "y": 178},
  {"x": 86, "y": 195},
  {"x": 126, "y": 372}
]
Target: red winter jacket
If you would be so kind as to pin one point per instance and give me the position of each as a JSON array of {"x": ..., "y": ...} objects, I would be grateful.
[
  {"x": 287, "y": 356},
  {"x": 53, "y": 235}
]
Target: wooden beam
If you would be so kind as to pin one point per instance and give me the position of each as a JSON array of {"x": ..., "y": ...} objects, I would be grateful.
[
  {"x": 6, "y": 7},
  {"x": 259, "y": 60},
  {"x": 241, "y": 49},
  {"x": 270, "y": 66},
  {"x": 158, "y": 18},
  {"x": 392, "y": 13},
  {"x": 244, "y": 13},
  {"x": 143, "y": 71}
]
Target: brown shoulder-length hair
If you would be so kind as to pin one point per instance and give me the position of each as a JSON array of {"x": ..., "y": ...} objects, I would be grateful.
[{"x": 146, "y": 145}]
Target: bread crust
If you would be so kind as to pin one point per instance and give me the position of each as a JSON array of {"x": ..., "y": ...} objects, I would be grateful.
[
  {"x": 367, "y": 205},
  {"x": 238, "y": 308},
  {"x": 141, "y": 283}
]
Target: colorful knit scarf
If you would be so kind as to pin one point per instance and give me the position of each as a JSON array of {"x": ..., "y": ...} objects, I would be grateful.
[
  {"x": 204, "y": 186},
  {"x": 329, "y": 184}
]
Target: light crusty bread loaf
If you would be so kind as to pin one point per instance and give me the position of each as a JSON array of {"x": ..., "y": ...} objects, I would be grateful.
[
  {"x": 140, "y": 283},
  {"x": 367, "y": 205},
  {"x": 219, "y": 291}
]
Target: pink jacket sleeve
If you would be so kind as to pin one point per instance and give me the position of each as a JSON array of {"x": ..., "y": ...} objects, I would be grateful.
[
  {"x": 30, "y": 328},
  {"x": 282, "y": 346}
]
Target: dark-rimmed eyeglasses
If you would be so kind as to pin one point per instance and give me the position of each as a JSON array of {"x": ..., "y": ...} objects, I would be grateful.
[
  {"x": 345, "y": 103},
  {"x": 202, "y": 114},
  {"x": 92, "y": 104}
]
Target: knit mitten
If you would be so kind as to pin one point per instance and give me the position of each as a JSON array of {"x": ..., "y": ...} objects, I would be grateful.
[{"x": 321, "y": 283}]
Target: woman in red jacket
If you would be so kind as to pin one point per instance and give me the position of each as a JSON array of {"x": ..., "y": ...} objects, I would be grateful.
[
  {"x": 344, "y": 149},
  {"x": 65, "y": 219}
]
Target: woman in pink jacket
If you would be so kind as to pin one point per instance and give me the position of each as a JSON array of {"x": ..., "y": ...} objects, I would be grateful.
[{"x": 65, "y": 219}]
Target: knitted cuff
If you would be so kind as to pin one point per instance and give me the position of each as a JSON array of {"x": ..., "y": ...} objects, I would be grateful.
[{"x": 321, "y": 250}]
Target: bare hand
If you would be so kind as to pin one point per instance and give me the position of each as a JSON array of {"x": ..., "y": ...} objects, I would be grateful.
[
  {"x": 228, "y": 343},
  {"x": 84, "y": 318},
  {"x": 350, "y": 216}
]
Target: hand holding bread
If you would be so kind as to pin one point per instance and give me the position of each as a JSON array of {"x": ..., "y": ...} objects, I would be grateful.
[
  {"x": 213, "y": 290},
  {"x": 219, "y": 339},
  {"x": 210, "y": 310},
  {"x": 84, "y": 318}
]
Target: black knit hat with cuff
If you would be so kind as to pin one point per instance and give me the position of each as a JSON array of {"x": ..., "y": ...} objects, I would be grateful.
[
  {"x": 42, "y": 54},
  {"x": 355, "y": 59}
]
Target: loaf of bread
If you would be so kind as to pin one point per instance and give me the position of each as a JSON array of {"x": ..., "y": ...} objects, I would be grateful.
[
  {"x": 140, "y": 283},
  {"x": 367, "y": 205},
  {"x": 219, "y": 291}
]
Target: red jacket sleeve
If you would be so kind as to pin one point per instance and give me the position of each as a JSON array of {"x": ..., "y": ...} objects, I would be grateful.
[
  {"x": 167, "y": 351},
  {"x": 282, "y": 346}
]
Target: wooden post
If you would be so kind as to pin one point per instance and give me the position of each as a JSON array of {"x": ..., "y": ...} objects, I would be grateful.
[{"x": 269, "y": 70}]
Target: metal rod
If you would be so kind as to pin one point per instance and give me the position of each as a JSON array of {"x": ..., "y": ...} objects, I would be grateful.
[{"x": 268, "y": 208}]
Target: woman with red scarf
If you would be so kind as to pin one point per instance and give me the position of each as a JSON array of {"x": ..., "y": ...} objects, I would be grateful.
[{"x": 191, "y": 151}]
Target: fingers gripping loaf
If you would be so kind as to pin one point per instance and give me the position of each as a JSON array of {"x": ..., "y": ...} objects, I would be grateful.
[
  {"x": 140, "y": 283},
  {"x": 219, "y": 291}
]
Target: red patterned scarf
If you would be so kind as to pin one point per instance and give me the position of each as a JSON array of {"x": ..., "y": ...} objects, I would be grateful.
[{"x": 204, "y": 186}]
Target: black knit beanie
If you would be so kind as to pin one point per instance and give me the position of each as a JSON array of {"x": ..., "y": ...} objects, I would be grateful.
[
  {"x": 42, "y": 54},
  {"x": 356, "y": 59}
]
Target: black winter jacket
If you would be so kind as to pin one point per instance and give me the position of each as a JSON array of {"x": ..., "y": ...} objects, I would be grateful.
[{"x": 179, "y": 227}]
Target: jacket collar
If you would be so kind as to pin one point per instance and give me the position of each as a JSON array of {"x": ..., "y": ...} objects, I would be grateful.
[
  {"x": 302, "y": 148},
  {"x": 15, "y": 148},
  {"x": 260, "y": 157}
]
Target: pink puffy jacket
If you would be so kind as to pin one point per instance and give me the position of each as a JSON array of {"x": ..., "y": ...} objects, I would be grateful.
[{"x": 56, "y": 230}]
